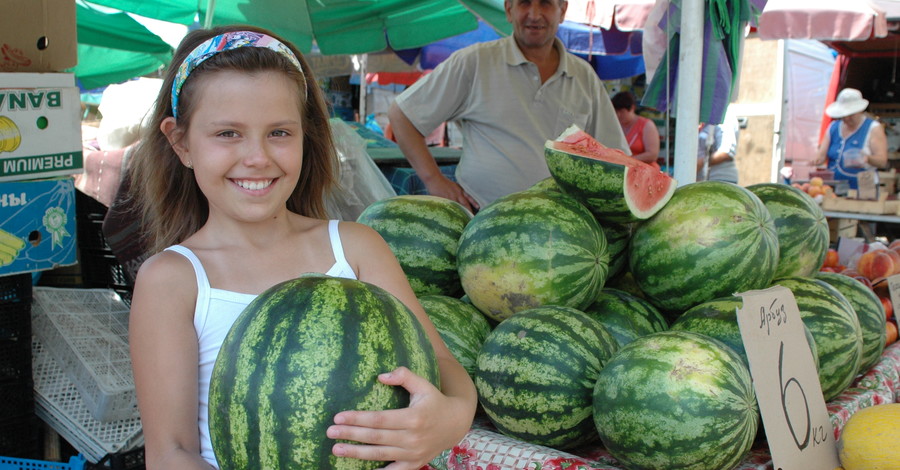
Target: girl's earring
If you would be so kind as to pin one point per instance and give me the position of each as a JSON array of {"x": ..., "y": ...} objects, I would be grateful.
[{"x": 189, "y": 165}]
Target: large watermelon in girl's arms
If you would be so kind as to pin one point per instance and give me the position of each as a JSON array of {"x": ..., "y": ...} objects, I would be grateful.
[
  {"x": 835, "y": 327},
  {"x": 676, "y": 399},
  {"x": 535, "y": 375},
  {"x": 614, "y": 186},
  {"x": 626, "y": 316},
  {"x": 529, "y": 249},
  {"x": 298, "y": 354},
  {"x": 462, "y": 327},
  {"x": 711, "y": 240},
  {"x": 869, "y": 311},
  {"x": 801, "y": 226},
  {"x": 423, "y": 232}
]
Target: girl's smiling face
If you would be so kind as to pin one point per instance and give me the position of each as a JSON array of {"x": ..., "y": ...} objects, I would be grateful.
[{"x": 245, "y": 142}]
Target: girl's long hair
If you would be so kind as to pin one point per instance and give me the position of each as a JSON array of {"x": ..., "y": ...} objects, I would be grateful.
[{"x": 163, "y": 190}]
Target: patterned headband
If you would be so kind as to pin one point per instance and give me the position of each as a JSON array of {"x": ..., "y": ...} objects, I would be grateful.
[{"x": 226, "y": 42}]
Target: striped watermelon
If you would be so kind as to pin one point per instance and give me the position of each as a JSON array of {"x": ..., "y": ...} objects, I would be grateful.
[
  {"x": 614, "y": 186},
  {"x": 462, "y": 327},
  {"x": 535, "y": 375},
  {"x": 529, "y": 249},
  {"x": 625, "y": 316},
  {"x": 301, "y": 352},
  {"x": 833, "y": 324},
  {"x": 869, "y": 311},
  {"x": 801, "y": 226},
  {"x": 711, "y": 240},
  {"x": 676, "y": 399},
  {"x": 617, "y": 238},
  {"x": 423, "y": 232},
  {"x": 717, "y": 319},
  {"x": 546, "y": 184}
]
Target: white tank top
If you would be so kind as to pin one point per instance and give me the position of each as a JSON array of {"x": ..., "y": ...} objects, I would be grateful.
[{"x": 217, "y": 310}]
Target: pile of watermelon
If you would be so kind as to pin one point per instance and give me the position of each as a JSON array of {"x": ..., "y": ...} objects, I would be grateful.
[{"x": 597, "y": 306}]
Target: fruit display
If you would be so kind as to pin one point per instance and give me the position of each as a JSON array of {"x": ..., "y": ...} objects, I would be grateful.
[
  {"x": 711, "y": 240},
  {"x": 530, "y": 249},
  {"x": 606, "y": 325},
  {"x": 536, "y": 371},
  {"x": 691, "y": 393},
  {"x": 816, "y": 189},
  {"x": 614, "y": 186},
  {"x": 301, "y": 352},
  {"x": 423, "y": 232}
]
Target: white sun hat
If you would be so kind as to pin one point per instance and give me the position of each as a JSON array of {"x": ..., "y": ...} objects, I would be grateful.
[{"x": 849, "y": 101}]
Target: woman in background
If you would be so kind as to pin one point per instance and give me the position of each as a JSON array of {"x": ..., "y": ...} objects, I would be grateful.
[
  {"x": 854, "y": 142},
  {"x": 640, "y": 132}
]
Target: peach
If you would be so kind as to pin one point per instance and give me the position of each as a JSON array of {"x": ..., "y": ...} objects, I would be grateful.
[
  {"x": 876, "y": 264},
  {"x": 895, "y": 244},
  {"x": 895, "y": 256}
]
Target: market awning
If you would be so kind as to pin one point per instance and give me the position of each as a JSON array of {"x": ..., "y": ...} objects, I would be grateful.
[
  {"x": 823, "y": 19},
  {"x": 623, "y": 15}
]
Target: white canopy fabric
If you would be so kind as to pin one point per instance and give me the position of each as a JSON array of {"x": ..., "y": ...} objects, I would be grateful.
[{"x": 843, "y": 20}]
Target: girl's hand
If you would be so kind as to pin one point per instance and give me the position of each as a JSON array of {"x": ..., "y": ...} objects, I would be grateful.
[{"x": 407, "y": 437}]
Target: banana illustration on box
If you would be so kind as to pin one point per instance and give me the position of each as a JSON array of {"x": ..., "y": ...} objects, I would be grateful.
[
  {"x": 10, "y": 246},
  {"x": 10, "y": 136}
]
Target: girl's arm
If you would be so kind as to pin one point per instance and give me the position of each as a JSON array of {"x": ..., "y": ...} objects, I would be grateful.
[
  {"x": 436, "y": 419},
  {"x": 164, "y": 360}
]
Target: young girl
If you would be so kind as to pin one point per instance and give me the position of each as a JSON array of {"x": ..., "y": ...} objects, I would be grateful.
[{"x": 230, "y": 182}]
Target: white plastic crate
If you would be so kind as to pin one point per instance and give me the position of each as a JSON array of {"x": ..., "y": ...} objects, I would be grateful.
[
  {"x": 86, "y": 332},
  {"x": 60, "y": 405}
]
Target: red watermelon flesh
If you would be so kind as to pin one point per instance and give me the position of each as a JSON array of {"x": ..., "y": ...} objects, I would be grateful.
[{"x": 605, "y": 185}]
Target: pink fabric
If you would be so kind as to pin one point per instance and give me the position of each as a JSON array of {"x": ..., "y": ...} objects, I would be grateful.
[{"x": 101, "y": 175}]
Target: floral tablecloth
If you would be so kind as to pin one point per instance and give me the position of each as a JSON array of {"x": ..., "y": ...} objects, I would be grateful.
[{"x": 485, "y": 449}]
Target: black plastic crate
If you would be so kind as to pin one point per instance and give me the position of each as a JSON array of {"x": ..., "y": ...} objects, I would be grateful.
[
  {"x": 15, "y": 335},
  {"x": 21, "y": 437},
  {"x": 101, "y": 268},
  {"x": 130, "y": 460},
  {"x": 16, "y": 398},
  {"x": 15, "y": 288}
]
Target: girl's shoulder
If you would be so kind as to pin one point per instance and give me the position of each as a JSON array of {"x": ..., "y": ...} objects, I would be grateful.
[{"x": 166, "y": 268}]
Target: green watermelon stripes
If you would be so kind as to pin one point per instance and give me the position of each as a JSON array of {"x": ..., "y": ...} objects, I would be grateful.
[
  {"x": 676, "y": 399},
  {"x": 869, "y": 311},
  {"x": 301, "y": 352},
  {"x": 801, "y": 226},
  {"x": 711, "y": 240},
  {"x": 535, "y": 375},
  {"x": 462, "y": 327},
  {"x": 423, "y": 232},
  {"x": 529, "y": 249},
  {"x": 835, "y": 327}
]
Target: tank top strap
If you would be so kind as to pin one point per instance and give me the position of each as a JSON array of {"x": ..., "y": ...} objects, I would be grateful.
[
  {"x": 341, "y": 267},
  {"x": 203, "y": 288}
]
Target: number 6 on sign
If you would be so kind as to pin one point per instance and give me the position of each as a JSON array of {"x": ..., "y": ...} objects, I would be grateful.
[{"x": 787, "y": 386}]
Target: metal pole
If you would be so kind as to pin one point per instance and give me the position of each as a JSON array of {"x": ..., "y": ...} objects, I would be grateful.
[
  {"x": 690, "y": 65},
  {"x": 210, "y": 9}
]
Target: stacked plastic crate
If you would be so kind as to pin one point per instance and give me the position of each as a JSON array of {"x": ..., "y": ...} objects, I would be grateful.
[{"x": 19, "y": 427}]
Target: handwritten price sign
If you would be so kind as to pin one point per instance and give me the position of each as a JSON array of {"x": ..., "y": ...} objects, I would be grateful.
[{"x": 787, "y": 385}]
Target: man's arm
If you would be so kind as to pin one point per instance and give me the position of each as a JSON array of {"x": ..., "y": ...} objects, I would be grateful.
[{"x": 412, "y": 144}]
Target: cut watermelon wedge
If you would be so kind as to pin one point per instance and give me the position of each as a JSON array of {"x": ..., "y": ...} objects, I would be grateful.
[{"x": 613, "y": 185}]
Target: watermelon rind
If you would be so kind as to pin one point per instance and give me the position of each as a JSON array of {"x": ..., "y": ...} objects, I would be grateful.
[
  {"x": 462, "y": 327},
  {"x": 423, "y": 232},
  {"x": 299, "y": 353},
  {"x": 711, "y": 240},
  {"x": 535, "y": 375},
  {"x": 835, "y": 327},
  {"x": 869, "y": 311},
  {"x": 529, "y": 249},
  {"x": 626, "y": 316},
  {"x": 803, "y": 236},
  {"x": 676, "y": 399},
  {"x": 601, "y": 185}
]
